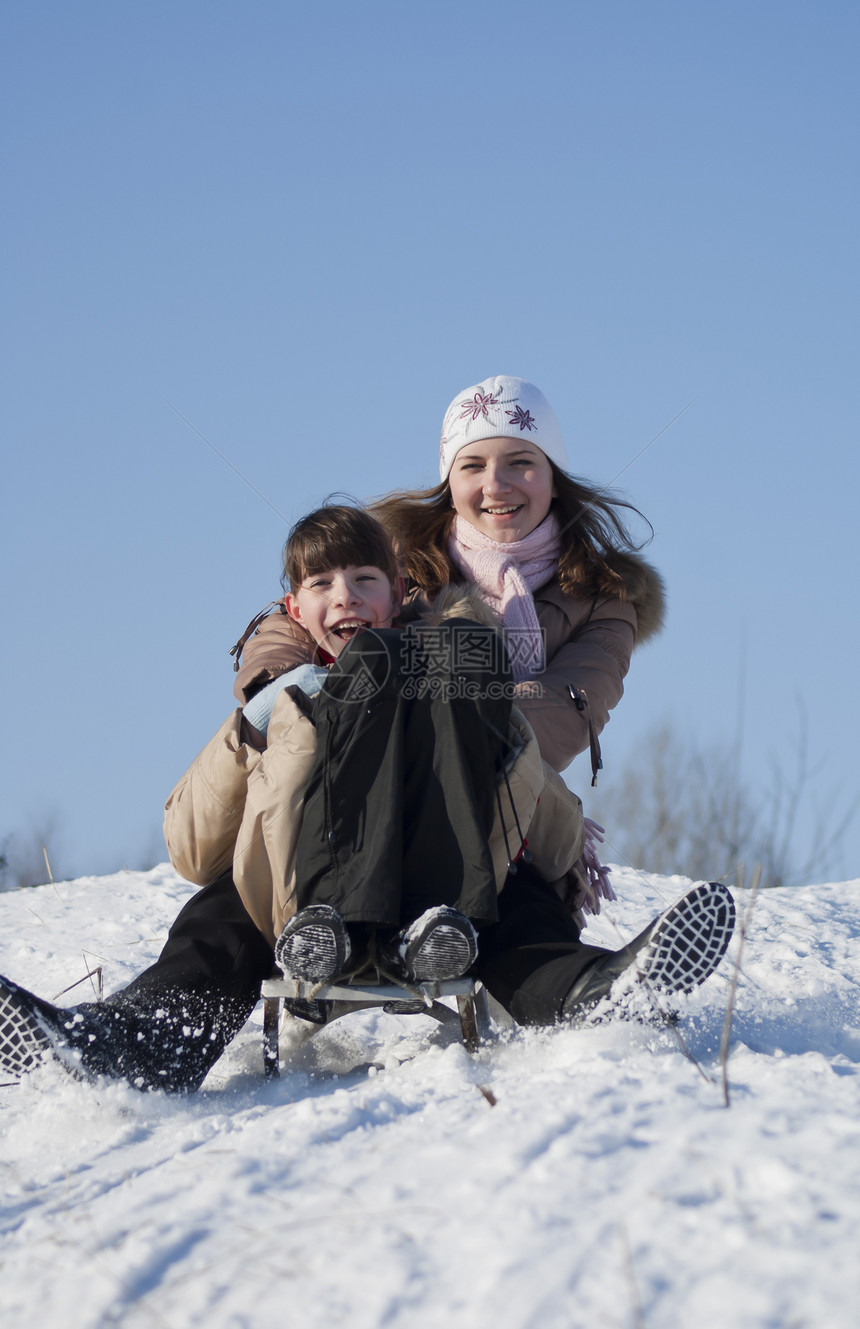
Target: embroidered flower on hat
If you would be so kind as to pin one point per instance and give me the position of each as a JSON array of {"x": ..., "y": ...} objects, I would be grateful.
[
  {"x": 478, "y": 405},
  {"x": 524, "y": 419}
]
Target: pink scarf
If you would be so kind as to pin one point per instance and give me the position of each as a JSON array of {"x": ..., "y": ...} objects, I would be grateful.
[{"x": 506, "y": 575}]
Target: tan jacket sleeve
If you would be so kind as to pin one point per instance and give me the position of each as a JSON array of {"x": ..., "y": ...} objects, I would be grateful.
[
  {"x": 264, "y": 865},
  {"x": 203, "y": 814}
]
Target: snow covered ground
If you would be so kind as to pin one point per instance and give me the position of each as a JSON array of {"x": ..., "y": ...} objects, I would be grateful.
[{"x": 375, "y": 1184}]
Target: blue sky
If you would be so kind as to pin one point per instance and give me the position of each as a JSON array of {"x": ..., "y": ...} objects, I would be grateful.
[{"x": 305, "y": 228}]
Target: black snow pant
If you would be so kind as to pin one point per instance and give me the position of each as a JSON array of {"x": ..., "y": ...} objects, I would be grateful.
[
  {"x": 411, "y": 738},
  {"x": 532, "y": 957},
  {"x": 170, "y": 1025}
]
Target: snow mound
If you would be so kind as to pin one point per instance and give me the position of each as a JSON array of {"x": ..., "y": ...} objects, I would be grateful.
[{"x": 560, "y": 1178}]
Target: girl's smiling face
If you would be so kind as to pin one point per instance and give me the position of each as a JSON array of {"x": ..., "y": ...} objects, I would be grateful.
[
  {"x": 502, "y": 486},
  {"x": 336, "y": 604}
]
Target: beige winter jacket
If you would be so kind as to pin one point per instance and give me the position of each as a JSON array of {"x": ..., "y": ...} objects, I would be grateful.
[{"x": 238, "y": 805}]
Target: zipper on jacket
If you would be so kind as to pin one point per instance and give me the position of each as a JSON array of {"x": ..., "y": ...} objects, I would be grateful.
[{"x": 580, "y": 701}]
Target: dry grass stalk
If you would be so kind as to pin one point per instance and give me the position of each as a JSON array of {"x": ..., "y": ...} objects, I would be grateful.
[
  {"x": 92, "y": 973},
  {"x": 733, "y": 986}
]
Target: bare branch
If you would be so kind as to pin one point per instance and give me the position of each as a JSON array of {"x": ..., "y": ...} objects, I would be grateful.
[{"x": 680, "y": 807}]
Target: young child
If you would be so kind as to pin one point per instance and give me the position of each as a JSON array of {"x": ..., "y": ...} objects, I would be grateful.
[
  {"x": 369, "y": 798},
  {"x": 370, "y": 907}
]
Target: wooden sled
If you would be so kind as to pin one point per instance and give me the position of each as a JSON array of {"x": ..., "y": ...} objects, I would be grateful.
[{"x": 471, "y": 1018}]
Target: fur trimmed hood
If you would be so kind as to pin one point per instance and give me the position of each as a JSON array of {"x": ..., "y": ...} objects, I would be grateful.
[
  {"x": 462, "y": 600},
  {"x": 645, "y": 590}
]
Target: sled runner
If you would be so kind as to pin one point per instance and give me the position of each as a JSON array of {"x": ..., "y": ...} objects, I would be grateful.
[{"x": 471, "y": 1018}]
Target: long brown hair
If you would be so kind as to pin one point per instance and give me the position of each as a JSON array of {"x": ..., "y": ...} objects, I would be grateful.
[{"x": 595, "y": 541}]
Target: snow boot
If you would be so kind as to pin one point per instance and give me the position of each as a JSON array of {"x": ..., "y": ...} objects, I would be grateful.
[
  {"x": 675, "y": 953},
  {"x": 165, "y": 1040},
  {"x": 30, "y": 1030},
  {"x": 438, "y": 946},
  {"x": 33, "y": 1031},
  {"x": 314, "y": 946}
]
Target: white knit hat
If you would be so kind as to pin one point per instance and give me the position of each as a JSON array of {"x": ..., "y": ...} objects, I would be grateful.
[{"x": 500, "y": 407}]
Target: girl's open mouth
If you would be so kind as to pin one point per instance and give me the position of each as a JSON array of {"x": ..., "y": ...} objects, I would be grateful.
[{"x": 346, "y": 631}]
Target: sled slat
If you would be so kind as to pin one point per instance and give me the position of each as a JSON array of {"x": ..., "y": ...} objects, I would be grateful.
[{"x": 471, "y": 1017}]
